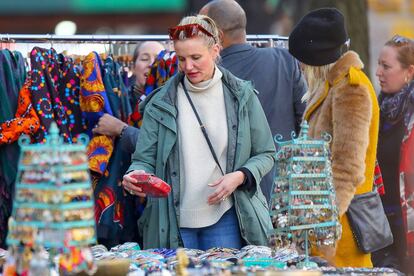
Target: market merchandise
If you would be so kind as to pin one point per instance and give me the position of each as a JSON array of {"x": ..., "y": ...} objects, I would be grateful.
[
  {"x": 303, "y": 208},
  {"x": 53, "y": 208}
]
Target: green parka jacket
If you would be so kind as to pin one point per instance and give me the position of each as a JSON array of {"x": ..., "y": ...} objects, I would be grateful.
[{"x": 250, "y": 145}]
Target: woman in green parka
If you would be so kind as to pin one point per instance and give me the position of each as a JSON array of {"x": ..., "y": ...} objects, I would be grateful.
[{"x": 215, "y": 199}]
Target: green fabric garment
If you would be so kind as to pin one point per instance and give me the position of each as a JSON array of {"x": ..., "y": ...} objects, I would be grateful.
[
  {"x": 250, "y": 145},
  {"x": 12, "y": 76}
]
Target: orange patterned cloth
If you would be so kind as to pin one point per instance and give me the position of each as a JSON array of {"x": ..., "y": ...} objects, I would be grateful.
[{"x": 25, "y": 121}]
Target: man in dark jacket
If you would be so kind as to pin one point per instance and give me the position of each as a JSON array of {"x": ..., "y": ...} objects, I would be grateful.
[{"x": 273, "y": 71}]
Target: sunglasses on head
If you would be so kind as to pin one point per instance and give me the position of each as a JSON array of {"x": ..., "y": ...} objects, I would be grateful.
[
  {"x": 400, "y": 39},
  {"x": 189, "y": 30}
]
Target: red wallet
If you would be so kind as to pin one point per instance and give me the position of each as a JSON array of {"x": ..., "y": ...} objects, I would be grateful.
[{"x": 152, "y": 185}]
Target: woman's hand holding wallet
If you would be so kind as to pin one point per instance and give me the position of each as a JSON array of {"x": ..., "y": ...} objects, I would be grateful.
[{"x": 142, "y": 184}]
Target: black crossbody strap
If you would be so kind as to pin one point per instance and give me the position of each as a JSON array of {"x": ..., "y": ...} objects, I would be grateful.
[{"x": 203, "y": 129}]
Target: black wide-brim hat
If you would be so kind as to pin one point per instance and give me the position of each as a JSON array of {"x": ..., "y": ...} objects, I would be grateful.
[{"x": 318, "y": 37}]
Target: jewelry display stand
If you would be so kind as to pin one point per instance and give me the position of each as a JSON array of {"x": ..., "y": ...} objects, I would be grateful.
[
  {"x": 303, "y": 208},
  {"x": 53, "y": 206}
]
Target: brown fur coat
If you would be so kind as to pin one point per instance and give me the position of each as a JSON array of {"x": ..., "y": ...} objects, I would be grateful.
[{"x": 348, "y": 110}]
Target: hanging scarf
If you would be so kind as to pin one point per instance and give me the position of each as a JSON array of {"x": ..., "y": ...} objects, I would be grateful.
[
  {"x": 164, "y": 67},
  {"x": 94, "y": 103},
  {"x": 394, "y": 108},
  {"x": 397, "y": 106},
  {"x": 136, "y": 95}
]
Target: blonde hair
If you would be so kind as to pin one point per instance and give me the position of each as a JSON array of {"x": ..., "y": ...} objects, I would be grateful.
[
  {"x": 316, "y": 77},
  {"x": 205, "y": 22}
]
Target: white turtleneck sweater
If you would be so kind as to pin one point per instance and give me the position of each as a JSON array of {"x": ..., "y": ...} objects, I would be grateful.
[{"x": 197, "y": 165}]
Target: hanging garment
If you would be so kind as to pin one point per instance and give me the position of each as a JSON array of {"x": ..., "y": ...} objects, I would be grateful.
[
  {"x": 116, "y": 90},
  {"x": 24, "y": 122},
  {"x": 165, "y": 66},
  {"x": 12, "y": 75},
  {"x": 115, "y": 211},
  {"x": 136, "y": 96},
  {"x": 69, "y": 87},
  {"x": 55, "y": 90},
  {"x": 94, "y": 103}
]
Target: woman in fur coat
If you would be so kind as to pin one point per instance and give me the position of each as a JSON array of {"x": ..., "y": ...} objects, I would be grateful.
[{"x": 340, "y": 101}]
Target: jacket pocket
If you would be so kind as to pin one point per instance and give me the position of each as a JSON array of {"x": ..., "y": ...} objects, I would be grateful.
[
  {"x": 164, "y": 119},
  {"x": 262, "y": 211},
  {"x": 260, "y": 197}
]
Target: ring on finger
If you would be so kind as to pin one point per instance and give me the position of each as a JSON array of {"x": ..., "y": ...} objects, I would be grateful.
[{"x": 223, "y": 198}]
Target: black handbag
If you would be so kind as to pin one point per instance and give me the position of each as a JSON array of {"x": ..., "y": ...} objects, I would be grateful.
[{"x": 369, "y": 223}]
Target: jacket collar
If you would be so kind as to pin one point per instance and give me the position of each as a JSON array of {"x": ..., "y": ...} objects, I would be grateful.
[
  {"x": 342, "y": 66},
  {"x": 340, "y": 70},
  {"x": 235, "y": 49}
]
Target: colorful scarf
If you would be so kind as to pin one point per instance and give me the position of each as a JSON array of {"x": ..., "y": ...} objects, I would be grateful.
[
  {"x": 69, "y": 89},
  {"x": 115, "y": 211},
  {"x": 393, "y": 108},
  {"x": 55, "y": 94},
  {"x": 94, "y": 103},
  {"x": 396, "y": 106},
  {"x": 378, "y": 181},
  {"x": 136, "y": 96},
  {"x": 164, "y": 67}
]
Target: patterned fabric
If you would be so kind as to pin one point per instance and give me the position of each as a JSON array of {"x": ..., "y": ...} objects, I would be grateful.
[
  {"x": 393, "y": 108},
  {"x": 115, "y": 211},
  {"x": 378, "y": 182},
  {"x": 136, "y": 96},
  {"x": 55, "y": 90},
  {"x": 94, "y": 103},
  {"x": 164, "y": 67},
  {"x": 12, "y": 75},
  {"x": 69, "y": 87},
  {"x": 116, "y": 90},
  {"x": 25, "y": 121}
]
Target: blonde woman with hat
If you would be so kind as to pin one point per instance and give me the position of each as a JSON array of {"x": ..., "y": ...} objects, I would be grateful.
[{"x": 340, "y": 101}]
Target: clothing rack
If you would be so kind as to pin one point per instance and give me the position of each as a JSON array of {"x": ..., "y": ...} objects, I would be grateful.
[{"x": 26, "y": 38}]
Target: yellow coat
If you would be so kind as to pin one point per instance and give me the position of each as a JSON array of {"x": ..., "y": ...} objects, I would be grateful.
[{"x": 348, "y": 110}]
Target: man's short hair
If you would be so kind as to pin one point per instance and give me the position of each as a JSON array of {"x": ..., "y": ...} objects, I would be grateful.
[{"x": 228, "y": 15}]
